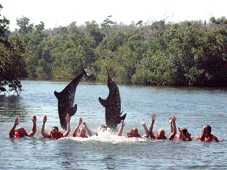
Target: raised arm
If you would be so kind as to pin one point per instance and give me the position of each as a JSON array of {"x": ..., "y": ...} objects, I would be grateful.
[
  {"x": 174, "y": 128},
  {"x": 122, "y": 124},
  {"x": 43, "y": 126},
  {"x": 68, "y": 126},
  {"x": 11, "y": 132},
  {"x": 77, "y": 127},
  {"x": 171, "y": 123},
  {"x": 87, "y": 129},
  {"x": 143, "y": 123},
  {"x": 182, "y": 134},
  {"x": 32, "y": 133},
  {"x": 153, "y": 117}
]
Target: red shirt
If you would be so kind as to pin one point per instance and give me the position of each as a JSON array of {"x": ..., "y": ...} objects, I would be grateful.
[
  {"x": 129, "y": 135},
  {"x": 78, "y": 135},
  {"x": 17, "y": 134},
  {"x": 156, "y": 137},
  {"x": 59, "y": 135},
  {"x": 208, "y": 139}
]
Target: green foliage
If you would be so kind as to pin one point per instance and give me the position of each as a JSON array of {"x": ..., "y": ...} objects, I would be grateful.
[
  {"x": 93, "y": 30},
  {"x": 11, "y": 63},
  {"x": 189, "y": 53},
  {"x": 25, "y": 26}
]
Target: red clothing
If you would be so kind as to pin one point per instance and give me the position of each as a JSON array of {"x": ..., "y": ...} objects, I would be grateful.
[
  {"x": 200, "y": 137},
  {"x": 59, "y": 135},
  {"x": 78, "y": 135},
  {"x": 156, "y": 137},
  {"x": 17, "y": 134},
  {"x": 129, "y": 135},
  {"x": 206, "y": 139},
  {"x": 20, "y": 133}
]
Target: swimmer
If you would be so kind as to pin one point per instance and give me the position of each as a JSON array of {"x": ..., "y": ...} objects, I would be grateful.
[
  {"x": 82, "y": 130},
  {"x": 55, "y": 133},
  {"x": 161, "y": 132},
  {"x": 206, "y": 135},
  {"x": 134, "y": 131},
  {"x": 102, "y": 129},
  {"x": 20, "y": 131},
  {"x": 183, "y": 132}
]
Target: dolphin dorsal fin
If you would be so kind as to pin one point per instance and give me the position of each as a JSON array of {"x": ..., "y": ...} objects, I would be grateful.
[{"x": 103, "y": 102}]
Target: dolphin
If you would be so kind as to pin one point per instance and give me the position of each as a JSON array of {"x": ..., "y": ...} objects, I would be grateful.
[
  {"x": 112, "y": 105},
  {"x": 66, "y": 100}
]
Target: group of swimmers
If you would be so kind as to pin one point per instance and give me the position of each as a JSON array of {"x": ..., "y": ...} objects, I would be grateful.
[{"x": 84, "y": 131}]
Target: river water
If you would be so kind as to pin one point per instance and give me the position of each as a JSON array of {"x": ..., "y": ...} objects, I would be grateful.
[{"x": 194, "y": 108}]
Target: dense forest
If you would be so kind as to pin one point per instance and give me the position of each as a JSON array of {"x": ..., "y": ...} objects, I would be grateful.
[{"x": 158, "y": 53}]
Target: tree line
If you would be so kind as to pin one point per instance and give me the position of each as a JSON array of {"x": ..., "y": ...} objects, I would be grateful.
[{"x": 158, "y": 53}]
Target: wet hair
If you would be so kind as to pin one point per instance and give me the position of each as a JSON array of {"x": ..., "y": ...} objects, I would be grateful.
[
  {"x": 82, "y": 129},
  {"x": 134, "y": 129},
  {"x": 208, "y": 127},
  {"x": 21, "y": 131},
  {"x": 55, "y": 127},
  {"x": 161, "y": 130},
  {"x": 184, "y": 130},
  {"x": 103, "y": 127}
]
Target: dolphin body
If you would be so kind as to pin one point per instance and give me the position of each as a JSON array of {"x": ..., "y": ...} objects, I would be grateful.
[
  {"x": 112, "y": 105},
  {"x": 66, "y": 100}
]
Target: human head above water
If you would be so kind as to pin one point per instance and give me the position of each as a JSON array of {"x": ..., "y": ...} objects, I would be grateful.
[
  {"x": 161, "y": 133},
  {"x": 54, "y": 130},
  {"x": 185, "y": 131},
  {"x": 21, "y": 131},
  {"x": 206, "y": 130},
  {"x": 82, "y": 131},
  {"x": 134, "y": 131},
  {"x": 103, "y": 127}
]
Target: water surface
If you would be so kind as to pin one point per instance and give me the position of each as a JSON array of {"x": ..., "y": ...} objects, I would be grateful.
[{"x": 194, "y": 107}]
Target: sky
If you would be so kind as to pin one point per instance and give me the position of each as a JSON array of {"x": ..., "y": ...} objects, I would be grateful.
[{"x": 55, "y": 13}]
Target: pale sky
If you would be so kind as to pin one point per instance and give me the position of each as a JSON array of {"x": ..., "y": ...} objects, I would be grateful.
[{"x": 55, "y": 13}]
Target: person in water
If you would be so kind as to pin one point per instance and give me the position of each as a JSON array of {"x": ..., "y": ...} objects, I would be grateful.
[
  {"x": 134, "y": 131},
  {"x": 161, "y": 132},
  {"x": 82, "y": 130},
  {"x": 183, "y": 132},
  {"x": 183, "y": 135},
  {"x": 55, "y": 133},
  {"x": 103, "y": 129},
  {"x": 206, "y": 135},
  {"x": 20, "y": 131}
]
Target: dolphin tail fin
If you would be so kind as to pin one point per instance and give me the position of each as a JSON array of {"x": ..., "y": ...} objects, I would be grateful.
[
  {"x": 122, "y": 118},
  {"x": 57, "y": 94},
  {"x": 103, "y": 102}
]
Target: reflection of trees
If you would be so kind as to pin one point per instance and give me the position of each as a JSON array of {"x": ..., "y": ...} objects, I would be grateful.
[{"x": 11, "y": 106}]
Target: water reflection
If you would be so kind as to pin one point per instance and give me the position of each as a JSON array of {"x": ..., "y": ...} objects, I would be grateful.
[
  {"x": 11, "y": 106},
  {"x": 109, "y": 161}
]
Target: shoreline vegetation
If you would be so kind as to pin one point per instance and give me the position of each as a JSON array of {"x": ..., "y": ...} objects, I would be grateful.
[{"x": 158, "y": 53}]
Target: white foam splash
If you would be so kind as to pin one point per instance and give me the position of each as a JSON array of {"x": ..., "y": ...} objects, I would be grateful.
[{"x": 108, "y": 137}]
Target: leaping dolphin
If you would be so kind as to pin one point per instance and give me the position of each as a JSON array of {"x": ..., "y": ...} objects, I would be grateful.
[
  {"x": 66, "y": 100},
  {"x": 112, "y": 105}
]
